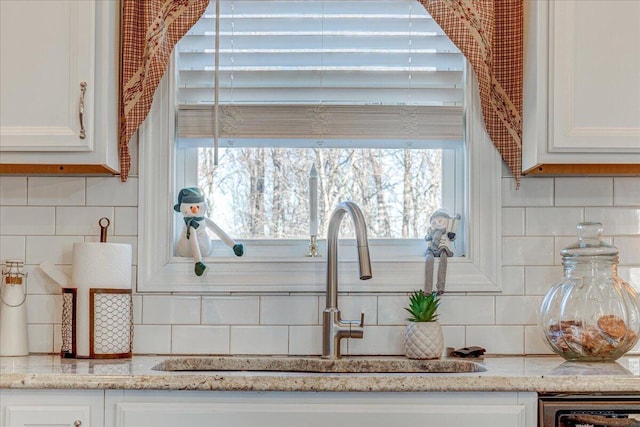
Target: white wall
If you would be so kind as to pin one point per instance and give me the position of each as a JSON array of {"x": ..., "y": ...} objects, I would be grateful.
[{"x": 41, "y": 217}]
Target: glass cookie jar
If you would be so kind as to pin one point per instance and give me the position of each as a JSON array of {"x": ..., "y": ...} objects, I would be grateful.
[{"x": 590, "y": 315}]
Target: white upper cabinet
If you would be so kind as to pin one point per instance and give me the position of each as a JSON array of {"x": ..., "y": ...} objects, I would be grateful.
[
  {"x": 582, "y": 87},
  {"x": 59, "y": 82}
]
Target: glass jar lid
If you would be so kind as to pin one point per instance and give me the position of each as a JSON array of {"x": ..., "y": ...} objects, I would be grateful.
[{"x": 589, "y": 243}]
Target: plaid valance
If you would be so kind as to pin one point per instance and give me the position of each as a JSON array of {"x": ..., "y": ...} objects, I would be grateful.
[{"x": 490, "y": 34}]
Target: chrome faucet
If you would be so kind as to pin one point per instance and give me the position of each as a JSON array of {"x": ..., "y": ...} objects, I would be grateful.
[{"x": 333, "y": 327}]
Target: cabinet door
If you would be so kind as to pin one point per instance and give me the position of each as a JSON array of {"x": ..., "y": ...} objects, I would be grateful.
[
  {"x": 581, "y": 105},
  {"x": 52, "y": 408},
  {"x": 47, "y": 57},
  {"x": 594, "y": 84},
  {"x": 48, "y": 416},
  {"x": 59, "y": 82},
  {"x": 312, "y": 415},
  {"x": 276, "y": 409}
]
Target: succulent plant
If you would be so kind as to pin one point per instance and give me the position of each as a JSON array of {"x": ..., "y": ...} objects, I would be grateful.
[{"x": 423, "y": 307}]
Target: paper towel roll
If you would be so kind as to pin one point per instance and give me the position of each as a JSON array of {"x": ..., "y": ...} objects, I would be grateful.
[
  {"x": 101, "y": 265},
  {"x": 97, "y": 265}
]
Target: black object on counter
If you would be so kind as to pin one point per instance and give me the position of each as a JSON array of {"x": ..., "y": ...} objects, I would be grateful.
[{"x": 473, "y": 351}]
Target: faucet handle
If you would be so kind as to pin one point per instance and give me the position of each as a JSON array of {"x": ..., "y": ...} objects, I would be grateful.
[
  {"x": 357, "y": 327},
  {"x": 357, "y": 323}
]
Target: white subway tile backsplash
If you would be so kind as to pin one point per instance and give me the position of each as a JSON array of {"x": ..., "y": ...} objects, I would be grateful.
[
  {"x": 198, "y": 339},
  {"x": 82, "y": 220},
  {"x": 137, "y": 309},
  {"x": 454, "y": 336},
  {"x": 12, "y": 247},
  {"x": 539, "y": 279},
  {"x": 170, "y": 309},
  {"x": 13, "y": 190},
  {"x": 534, "y": 341},
  {"x": 27, "y": 220},
  {"x": 497, "y": 339},
  {"x": 629, "y": 247},
  {"x": 57, "y": 249},
  {"x": 631, "y": 275},
  {"x": 616, "y": 220},
  {"x": 527, "y": 251},
  {"x": 126, "y": 221},
  {"x": 379, "y": 340},
  {"x": 626, "y": 191},
  {"x": 63, "y": 191},
  {"x": 517, "y": 310},
  {"x": 466, "y": 310},
  {"x": 391, "y": 309},
  {"x": 574, "y": 191},
  {"x": 288, "y": 310},
  {"x": 533, "y": 191},
  {"x": 110, "y": 191},
  {"x": 260, "y": 340},
  {"x": 552, "y": 221},
  {"x": 512, "y": 280},
  {"x": 513, "y": 221},
  {"x": 305, "y": 340},
  {"x": 41, "y": 218},
  {"x": 225, "y": 310},
  {"x": 152, "y": 339}
]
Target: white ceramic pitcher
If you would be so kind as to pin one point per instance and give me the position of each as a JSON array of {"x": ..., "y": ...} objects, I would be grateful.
[{"x": 13, "y": 311}]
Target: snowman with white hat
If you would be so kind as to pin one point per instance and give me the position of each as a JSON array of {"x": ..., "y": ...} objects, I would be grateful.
[
  {"x": 195, "y": 240},
  {"x": 439, "y": 238}
]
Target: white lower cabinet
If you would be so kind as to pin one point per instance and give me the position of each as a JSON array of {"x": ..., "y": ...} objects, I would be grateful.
[
  {"x": 151, "y": 408},
  {"x": 317, "y": 409},
  {"x": 52, "y": 408}
]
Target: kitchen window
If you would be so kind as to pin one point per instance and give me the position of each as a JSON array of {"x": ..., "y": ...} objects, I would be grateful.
[{"x": 374, "y": 85}]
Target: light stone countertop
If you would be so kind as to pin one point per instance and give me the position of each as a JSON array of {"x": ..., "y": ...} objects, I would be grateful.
[{"x": 535, "y": 374}]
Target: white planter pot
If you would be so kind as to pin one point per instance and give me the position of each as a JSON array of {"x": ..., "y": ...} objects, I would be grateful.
[{"x": 423, "y": 340}]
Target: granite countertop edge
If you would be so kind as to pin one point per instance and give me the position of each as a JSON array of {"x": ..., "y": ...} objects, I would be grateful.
[{"x": 509, "y": 374}]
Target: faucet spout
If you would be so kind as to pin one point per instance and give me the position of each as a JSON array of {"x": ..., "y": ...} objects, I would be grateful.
[{"x": 334, "y": 328}]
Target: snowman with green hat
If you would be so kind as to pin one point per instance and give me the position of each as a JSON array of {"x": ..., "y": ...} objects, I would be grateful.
[{"x": 195, "y": 240}]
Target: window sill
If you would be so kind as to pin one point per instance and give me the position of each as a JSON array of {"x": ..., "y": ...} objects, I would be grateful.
[{"x": 309, "y": 274}]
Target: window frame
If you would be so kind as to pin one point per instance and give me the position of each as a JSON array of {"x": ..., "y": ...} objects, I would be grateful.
[{"x": 160, "y": 271}]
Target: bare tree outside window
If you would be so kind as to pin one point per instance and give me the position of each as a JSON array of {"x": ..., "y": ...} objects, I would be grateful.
[{"x": 262, "y": 193}]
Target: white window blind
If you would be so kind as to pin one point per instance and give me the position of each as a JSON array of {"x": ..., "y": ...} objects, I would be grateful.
[{"x": 306, "y": 70}]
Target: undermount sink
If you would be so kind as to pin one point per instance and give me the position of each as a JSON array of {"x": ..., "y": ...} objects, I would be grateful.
[{"x": 364, "y": 364}]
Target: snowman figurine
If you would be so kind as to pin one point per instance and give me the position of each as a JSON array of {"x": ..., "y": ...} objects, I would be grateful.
[{"x": 195, "y": 240}]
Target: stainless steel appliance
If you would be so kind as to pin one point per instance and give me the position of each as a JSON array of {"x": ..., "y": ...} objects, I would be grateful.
[{"x": 589, "y": 411}]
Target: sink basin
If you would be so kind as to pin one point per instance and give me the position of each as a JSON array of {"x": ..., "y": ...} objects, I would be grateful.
[{"x": 365, "y": 364}]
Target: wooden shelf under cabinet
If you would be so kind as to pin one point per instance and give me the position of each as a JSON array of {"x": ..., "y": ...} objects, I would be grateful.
[
  {"x": 43, "y": 169},
  {"x": 630, "y": 169}
]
